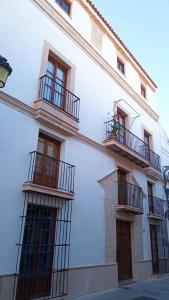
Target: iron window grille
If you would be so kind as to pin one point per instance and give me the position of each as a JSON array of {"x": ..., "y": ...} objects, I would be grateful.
[
  {"x": 160, "y": 256},
  {"x": 43, "y": 249}
]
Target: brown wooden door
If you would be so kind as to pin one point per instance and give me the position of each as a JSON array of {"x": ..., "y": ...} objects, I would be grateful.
[
  {"x": 122, "y": 199},
  {"x": 124, "y": 256},
  {"x": 47, "y": 162},
  {"x": 37, "y": 253},
  {"x": 150, "y": 188},
  {"x": 154, "y": 248}
]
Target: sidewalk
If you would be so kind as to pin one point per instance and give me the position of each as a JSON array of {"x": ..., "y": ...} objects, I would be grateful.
[{"x": 155, "y": 289}]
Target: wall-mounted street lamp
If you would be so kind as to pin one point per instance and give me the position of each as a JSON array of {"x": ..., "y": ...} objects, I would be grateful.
[{"x": 5, "y": 71}]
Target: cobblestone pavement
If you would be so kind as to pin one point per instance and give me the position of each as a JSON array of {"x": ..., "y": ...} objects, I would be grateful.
[{"x": 155, "y": 289}]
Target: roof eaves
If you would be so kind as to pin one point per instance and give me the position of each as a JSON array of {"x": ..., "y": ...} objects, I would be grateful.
[{"x": 119, "y": 40}]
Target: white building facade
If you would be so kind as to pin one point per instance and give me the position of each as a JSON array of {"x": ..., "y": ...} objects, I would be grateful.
[{"x": 82, "y": 197}]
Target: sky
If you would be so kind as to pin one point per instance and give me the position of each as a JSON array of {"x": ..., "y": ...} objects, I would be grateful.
[{"x": 143, "y": 25}]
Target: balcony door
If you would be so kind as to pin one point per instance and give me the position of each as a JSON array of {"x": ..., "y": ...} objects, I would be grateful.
[
  {"x": 150, "y": 197},
  {"x": 147, "y": 145},
  {"x": 121, "y": 132},
  {"x": 47, "y": 162},
  {"x": 55, "y": 83},
  {"x": 122, "y": 189}
]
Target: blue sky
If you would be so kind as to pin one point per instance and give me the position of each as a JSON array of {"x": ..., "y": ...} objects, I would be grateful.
[{"x": 144, "y": 27}]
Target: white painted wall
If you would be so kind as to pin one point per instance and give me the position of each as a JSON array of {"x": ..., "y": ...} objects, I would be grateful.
[
  {"x": 21, "y": 134},
  {"x": 18, "y": 137},
  {"x": 21, "y": 54}
]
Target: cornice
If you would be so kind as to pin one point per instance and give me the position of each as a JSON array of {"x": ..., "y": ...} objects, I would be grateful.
[
  {"x": 31, "y": 112},
  {"x": 16, "y": 104},
  {"x": 91, "y": 52}
]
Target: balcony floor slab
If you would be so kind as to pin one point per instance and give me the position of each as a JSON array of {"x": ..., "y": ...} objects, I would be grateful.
[
  {"x": 126, "y": 152},
  {"x": 156, "y": 217},
  {"x": 31, "y": 187},
  {"x": 48, "y": 114},
  {"x": 129, "y": 209}
]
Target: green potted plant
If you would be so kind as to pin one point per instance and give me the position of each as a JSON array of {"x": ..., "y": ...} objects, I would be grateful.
[{"x": 115, "y": 126}]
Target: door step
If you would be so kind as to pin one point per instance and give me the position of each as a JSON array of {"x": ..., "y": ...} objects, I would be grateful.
[{"x": 123, "y": 283}]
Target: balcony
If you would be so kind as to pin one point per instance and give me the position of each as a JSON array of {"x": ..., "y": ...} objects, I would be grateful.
[
  {"x": 155, "y": 160},
  {"x": 130, "y": 198},
  {"x": 57, "y": 106},
  {"x": 50, "y": 176},
  {"x": 125, "y": 143},
  {"x": 156, "y": 208}
]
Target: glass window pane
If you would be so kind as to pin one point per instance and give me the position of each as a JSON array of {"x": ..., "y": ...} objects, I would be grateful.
[
  {"x": 41, "y": 145},
  {"x": 51, "y": 68},
  {"x": 51, "y": 149},
  {"x": 66, "y": 7},
  {"x": 60, "y": 74},
  {"x": 58, "y": 1}
]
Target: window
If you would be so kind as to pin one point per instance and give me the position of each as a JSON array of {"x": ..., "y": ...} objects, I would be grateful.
[
  {"x": 147, "y": 145},
  {"x": 121, "y": 174},
  {"x": 122, "y": 187},
  {"x": 37, "y": 252},
  {"x": 150, "y": 188},
  {"x": 65, "y": 5},
  {"x": 121, "y": 119},
  {"x": 55, "y": 84},
  {"x": 143, "y": 91},
  {"x": 96, "y": 36},
  {"x": 147, "y": 138},
  {"x": 42, "y": 270},
  {"x": 47, "y": 164},
  {"x": 120, "y": 66}
]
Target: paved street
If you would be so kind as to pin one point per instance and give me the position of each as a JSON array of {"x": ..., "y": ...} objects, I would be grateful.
[{"x": 147, "y": 290}]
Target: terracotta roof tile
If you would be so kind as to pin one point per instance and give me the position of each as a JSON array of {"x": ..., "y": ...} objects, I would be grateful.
[{"x": 120, "y": 41}]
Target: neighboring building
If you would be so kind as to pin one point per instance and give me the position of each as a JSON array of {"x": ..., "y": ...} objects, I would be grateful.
[{"x": 82, "y": 194}]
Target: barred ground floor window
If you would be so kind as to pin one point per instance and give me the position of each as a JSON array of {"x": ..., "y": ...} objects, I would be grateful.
[
  {"x": 159, "y": 247},
  {"x": 43, "y": 249}
]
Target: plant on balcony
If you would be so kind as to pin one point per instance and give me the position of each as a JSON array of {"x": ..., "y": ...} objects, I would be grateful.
[{"x": 115, "y": 128}]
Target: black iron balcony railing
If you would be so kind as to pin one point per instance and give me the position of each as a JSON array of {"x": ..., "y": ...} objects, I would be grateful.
[
  {"x": 155, "y": 160},
  {"x": 156, "y": 206},
  {"x": 49, "y": 172},
  {"x": 116, "y": 131},
  {"x": 130, "y": 195},
  {"x": 53, "y": 92}
]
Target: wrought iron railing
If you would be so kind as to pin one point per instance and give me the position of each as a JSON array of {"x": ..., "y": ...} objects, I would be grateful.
[
  {"x": 156, "y": 206},
  {"x": 116, "y": 131},
  {"x": 130, "y": 195},
  {"x": 55, "y": 93},
  {"x": 50, "y": 172},
  {"x": 159, "y": 247},
  {"x": 155, "y": 160}
]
